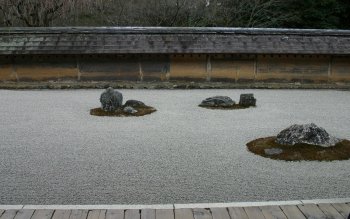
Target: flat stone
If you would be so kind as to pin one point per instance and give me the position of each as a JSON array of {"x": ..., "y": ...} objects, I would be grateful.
[
  {"x": 306, "y": 134},
  {"x": 218, "y": 101},
  {"x": 134, "y": 103},
  {"x": 130, "y": 110}
]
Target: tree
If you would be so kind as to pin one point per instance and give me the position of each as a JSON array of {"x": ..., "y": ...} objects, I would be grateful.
[
  {"x": 315, "y": 14},
  {"x": 36, "y": 13}
]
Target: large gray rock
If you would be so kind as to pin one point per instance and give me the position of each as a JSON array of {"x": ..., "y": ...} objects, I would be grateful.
[
  {"x": 134, "y": 103},
  {"x": 306, "y": 134},
  {"x": 111, "y": 100},
  {"x": 247, "y": 100},
  {"x": 222, "y": 101}
]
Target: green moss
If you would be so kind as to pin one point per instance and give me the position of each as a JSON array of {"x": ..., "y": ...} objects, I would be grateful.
[
  {"x": 233, "y": 107},
  {"x": 141, "y": 111},
  {"x": 340, "y": 151}
]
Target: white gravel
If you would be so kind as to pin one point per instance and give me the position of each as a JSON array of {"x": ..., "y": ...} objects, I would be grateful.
[{"x": 53, "y": 152}]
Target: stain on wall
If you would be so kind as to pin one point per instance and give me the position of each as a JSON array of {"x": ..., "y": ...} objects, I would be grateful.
[
  {"x": 340, "y": 68},
  {"x": 7, "y": 72},
  {"x": 37, "y": 68},
  {"x": 292, "y": 67},
  {"x": 232, "y": 68},
  {"x": 96, "y": 67},
  {"x": 188, "y": 67},
  {"x": 155, "y": 67}
]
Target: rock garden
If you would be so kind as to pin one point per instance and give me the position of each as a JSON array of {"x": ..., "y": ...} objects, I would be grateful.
[
  {"x": 302, "y": 142},
  {"x": 225, "y": 102},
  {"x": 112, "y": 105}
]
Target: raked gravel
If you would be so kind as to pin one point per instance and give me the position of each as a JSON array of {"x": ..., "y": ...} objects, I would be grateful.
[{"x": 53, "y": 152}]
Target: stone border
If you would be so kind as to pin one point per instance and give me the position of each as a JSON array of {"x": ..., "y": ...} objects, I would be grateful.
[{"x": 178, "y": 206}]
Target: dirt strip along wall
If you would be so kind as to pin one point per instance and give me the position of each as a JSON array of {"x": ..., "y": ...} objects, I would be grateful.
[{"x": 189, "y": 67}]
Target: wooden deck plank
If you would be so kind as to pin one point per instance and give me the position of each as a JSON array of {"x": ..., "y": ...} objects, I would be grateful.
[
  {"x": 9, "y": 214},
  {"x": 148, "y": 214},
  {"x": 342, "y": 208},
  {"x": 61, "y": 214},
  {"x": 1, "y": 212},
  {"x": 97, "y": 214},
  {"x": 184, "y": 213},
  {"x": 132, "y": 214},
  {"x": 292, "y": 212},
  {"x": 164, "y": 214},
  {"x": 115, "y": 214},
  {"x": 220, "y": 213},
  {"x": 273, "y": 212},
  {"x": 200, "y": 213},
  {"x": 78, "y": 214},
  {"x": 42, "y": 214},
  {"x": 311, "y": 211},
  {"x": 330, "y": 211},
  {"x": 237, "y": 213},
  {"x": 24, "y": 214},
  {"x": 254, "y": 213}
]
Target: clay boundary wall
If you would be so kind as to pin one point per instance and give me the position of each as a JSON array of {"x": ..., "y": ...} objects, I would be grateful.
[{"x": 237, "y": 68}]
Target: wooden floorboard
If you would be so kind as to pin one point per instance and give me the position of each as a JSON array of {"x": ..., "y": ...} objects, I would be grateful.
[
  {"x": 302, "y": 211},
  {"x": 343, "y": 209},
  {"x": 42, "y": 214},
  {"x": 9, "y": 214},
  {"x": 78, "y": 214},
  {"x": 200, "y": 213},
  {"x": 292, "y": 212},
  {"x": 132, "y": 214},
  {"x": 164, "y": 214},
  {"x": 220, "y": 213},
  {"x": 237, "y": 213},
  {"x": 312, "y": 211},
  {"x": 115, "y": 214},
  {"x": 24, "y": 214},
  {"x": 330, "y": 211},
  {"x": 97, "y": 214},
  {"x": 61, "y": 214},
  {"x": 185, "y": 213},
  {"x": 254, "y": 213},
  {"x": 273, "y": 212},
  {"x": 148, "y": 214}
]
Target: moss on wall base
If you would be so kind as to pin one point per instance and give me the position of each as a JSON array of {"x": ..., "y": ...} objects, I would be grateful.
[{"x": 267, "y": 147}]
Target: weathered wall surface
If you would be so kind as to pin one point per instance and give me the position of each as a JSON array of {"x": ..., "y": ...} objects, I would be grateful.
[{"x": 196, "y": 67}]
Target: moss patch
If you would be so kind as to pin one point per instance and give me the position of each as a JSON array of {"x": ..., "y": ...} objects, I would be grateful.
[
  {"x": 340, "y": 151},
  {"x": 233, "y": 107},
  {"x": 141, "y": 111}
]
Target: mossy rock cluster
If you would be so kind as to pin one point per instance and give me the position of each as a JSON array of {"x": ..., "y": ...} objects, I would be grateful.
[
  {"x": 141, "y": 111},
  {"x": 226, "y": 103},
  {"x": 269, "y": 148},
  {"x": 112, "y": 105}
]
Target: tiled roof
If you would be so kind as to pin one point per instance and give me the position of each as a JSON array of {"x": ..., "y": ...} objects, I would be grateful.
[{"x": 161, "y": 40}]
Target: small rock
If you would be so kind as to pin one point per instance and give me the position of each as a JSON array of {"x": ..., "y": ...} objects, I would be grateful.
[
  {"x": 306, "y": 134},
  {"x": 247, "y": 100},
  {"x": 130, "y": 110},
  {"x": 111, "y": 100},
  {"x": 222, "y": 101},
  {"x": 273, "y": 151},
  {"x": 134, "y": 103}
]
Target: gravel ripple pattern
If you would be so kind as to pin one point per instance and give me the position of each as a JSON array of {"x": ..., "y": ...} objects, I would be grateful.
[{"x": 53, "y": 152}]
